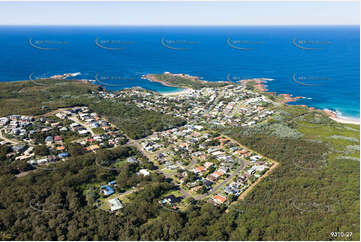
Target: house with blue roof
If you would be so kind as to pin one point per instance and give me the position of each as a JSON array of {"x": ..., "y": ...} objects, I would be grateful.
[
  {"x": 63, "y": 155},
  {"x": 106, "y": 190}
]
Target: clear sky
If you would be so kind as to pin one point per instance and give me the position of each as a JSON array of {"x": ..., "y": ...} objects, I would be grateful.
[{"x": 179, "y": 13}]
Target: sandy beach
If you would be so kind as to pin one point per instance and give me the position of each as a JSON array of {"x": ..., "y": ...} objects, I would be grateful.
[
  {"x": 260, "y": 86},
  {"x": 338, "y": 118},
  {"x": 345, "y": 120}
]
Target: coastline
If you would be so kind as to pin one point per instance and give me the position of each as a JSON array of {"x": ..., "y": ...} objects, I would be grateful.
[
  {"x": 341, "y": 119},
  {"x": 151, "y": 78},
  {"x": 346, "y": 120},
  {"x": 260, "y": 86},
  {"x": 182, "y": 90}
]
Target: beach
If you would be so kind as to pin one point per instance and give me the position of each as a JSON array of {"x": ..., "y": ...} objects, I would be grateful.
[
  {"x": 345, "y": 120},
  {"x": 341, "y": 119}
]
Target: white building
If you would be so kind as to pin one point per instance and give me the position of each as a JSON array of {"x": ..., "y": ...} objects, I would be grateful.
[
  {"x": 144, "y": 172},
  {"x": 115, "y": 204}
]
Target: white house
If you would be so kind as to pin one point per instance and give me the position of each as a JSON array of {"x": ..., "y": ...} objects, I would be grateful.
[
  {"x": 144, "y": 172},
  {"x": 115, "y": 204},
  {"x": 83, "y": 132}
]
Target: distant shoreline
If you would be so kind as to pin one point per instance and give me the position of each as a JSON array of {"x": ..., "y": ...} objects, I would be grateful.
[
  {"x": 341, "y": 119},
  {"x": 346, "y": 120},
  {"x": 150, "y": 78},
  {"x": 260, "y": 86}
]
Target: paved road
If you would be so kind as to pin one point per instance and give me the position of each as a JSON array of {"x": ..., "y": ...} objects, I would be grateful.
[
  {"x": 7, "y": 140},
  {"x": 136, "y": 144},
  {"x": 222, "y": 183},
  {"x": 76, "y": 120},
  {"x": 216, "y": 100},
  {"x": 128, "y": 192}
]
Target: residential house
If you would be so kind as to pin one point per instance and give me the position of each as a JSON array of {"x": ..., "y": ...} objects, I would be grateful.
[
  {"x": 58, "y": 139},
  {"x": 83, "y": 131},
  {"x": 216, "y": 174},
  {"x": 195, "y": 189},
  {"x": 144, "y": 172},
  {"x": 115, "y": 204},
  {"x": 74, "y": 126},
  {"x": 207, "y": 183},
  {"x": 19, "y": 148},
  {"x": 63, "y": 155},
  {"x": 132, "y": 159},
  {"x": 199, "y": 169},
  {"x": 219, "y": 199},
  {"x": 106, "y": 190},
  {"x": 92, "y": 148},
  {"x": 49, "y": 139},
  {"x": 52, "y": 158},
  {"x": 60, "y": 148},
  {"x": 171, "y": 199},
  {"x": 255, "y": 158},
  {"x": 251, "y": 171}
]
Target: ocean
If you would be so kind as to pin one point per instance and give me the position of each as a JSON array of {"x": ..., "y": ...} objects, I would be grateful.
[{"x": 321, "y": 63}]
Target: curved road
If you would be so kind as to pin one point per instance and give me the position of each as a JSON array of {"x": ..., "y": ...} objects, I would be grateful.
[{"x": 8, "y": 140}]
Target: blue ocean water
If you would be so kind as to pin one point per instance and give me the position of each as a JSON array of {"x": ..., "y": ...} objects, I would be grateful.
[{"x": 320, "y": 63}]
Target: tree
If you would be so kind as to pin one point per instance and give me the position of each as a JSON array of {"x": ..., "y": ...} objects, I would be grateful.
[
  {"x": 41, "y": 150},
  {"x": 76, "y": 149}
]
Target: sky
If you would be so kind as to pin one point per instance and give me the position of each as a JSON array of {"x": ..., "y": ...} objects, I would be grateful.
[{"x": 179, "y": 13}]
